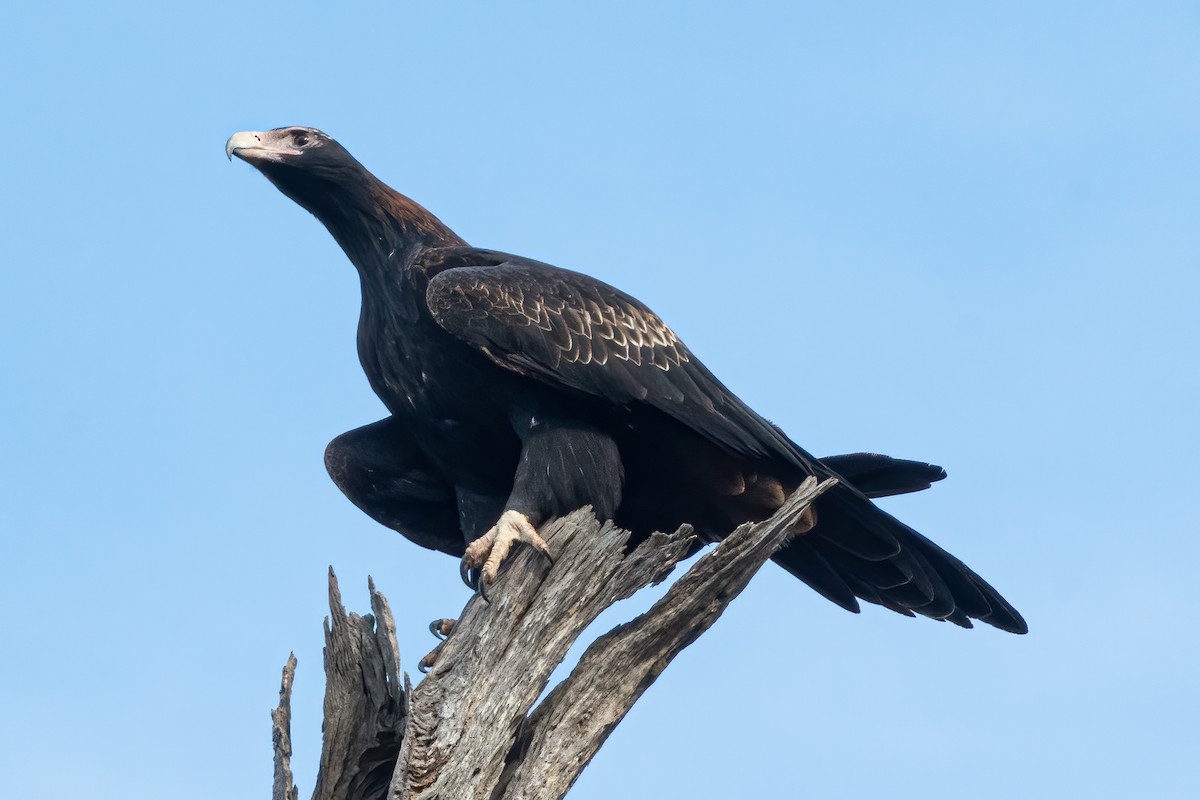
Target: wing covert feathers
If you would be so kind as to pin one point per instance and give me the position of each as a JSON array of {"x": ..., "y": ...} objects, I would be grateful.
[
  {"x": 577, "y": 333},
  {"x": 577, "y": 321}
]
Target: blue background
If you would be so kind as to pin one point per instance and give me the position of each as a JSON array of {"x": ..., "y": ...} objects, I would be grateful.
[{"x": 948, "y": 231}]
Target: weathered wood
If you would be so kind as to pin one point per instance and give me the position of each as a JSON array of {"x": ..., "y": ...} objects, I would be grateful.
[
  {"x": 281, "y": 735},
  {"x": 365, "y": 701},
  {"x": 467, "y": 731},
  {"x": 567, "y": 729},
  {"x": 467, "y": 711}
]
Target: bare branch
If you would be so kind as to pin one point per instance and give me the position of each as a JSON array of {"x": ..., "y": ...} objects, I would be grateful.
[
  {"x": 364, "y": 701},
  {"x": 466, "y": 713},
  {"x": 570, "y": 725},
  {"x": 281, "y": 735},
  {"x": 466, "y": 732}
]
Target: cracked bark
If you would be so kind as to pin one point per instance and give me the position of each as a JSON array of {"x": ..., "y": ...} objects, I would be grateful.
[{"x": 470, "y": 730}]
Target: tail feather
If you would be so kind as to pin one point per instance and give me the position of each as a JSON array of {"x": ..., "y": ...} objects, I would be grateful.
[
  {"x": 857, "y": 549},
  {"x": 866, "y": 542},
  {"x": 973, "y": 593},
  {"x": 960, "y": 618},
  {"x": 807, "y": 564},
  {"x": 881, "y": 575},
  {"x": 878, "y": 475},
  {"x": 868, "y": 593},
  {"x": 958, "y": 576}
]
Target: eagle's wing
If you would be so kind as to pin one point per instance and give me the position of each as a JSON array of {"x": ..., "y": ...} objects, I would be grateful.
[{"x": 577, "y": 333}]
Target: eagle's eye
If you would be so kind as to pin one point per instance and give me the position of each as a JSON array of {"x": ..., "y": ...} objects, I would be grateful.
[{"x": 299, "y": 138}]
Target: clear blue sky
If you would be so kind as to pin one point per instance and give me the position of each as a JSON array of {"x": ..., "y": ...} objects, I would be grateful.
[{"x": 948, "y": 231}]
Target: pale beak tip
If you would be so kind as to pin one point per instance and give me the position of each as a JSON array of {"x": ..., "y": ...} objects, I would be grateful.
[{"x": 241, "y": 140}]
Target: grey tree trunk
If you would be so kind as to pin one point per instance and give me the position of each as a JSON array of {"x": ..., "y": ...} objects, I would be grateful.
[{"x": 469, "y": 730}]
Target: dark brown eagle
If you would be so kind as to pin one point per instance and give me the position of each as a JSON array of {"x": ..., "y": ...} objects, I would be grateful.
[{"x": 519, "y": 391}]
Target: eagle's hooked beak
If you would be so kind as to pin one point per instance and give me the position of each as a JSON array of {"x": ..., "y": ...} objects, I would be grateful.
[
  {"x": 254, "y": 146},
  {"x": 241, "y": 142}
]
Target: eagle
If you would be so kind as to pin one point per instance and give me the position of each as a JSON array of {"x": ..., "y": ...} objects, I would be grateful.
[{"x": 518, "y": 392}]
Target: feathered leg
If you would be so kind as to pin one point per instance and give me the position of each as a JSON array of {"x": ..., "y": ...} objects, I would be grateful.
[{"x": 565, "y": 464}]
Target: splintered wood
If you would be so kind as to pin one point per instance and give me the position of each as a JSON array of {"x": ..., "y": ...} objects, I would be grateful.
[{"x": 470, "y": 730}]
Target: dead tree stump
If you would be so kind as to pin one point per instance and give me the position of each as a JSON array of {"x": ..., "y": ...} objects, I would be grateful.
[{"x": 469, "y": 730}]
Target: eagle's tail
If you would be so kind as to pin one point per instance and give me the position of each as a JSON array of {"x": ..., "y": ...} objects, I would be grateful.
[{"x": 857, "y": 551}]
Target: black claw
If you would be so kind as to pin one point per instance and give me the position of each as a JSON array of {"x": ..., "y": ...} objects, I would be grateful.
[
  {"x": 469, "y": 576},
  {"x": 426, "y": 663},
  {"x": 483, "y": 591},
  {"x": 441, "y": 628}
]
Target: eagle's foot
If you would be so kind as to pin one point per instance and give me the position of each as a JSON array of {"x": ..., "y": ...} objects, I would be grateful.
[
  {"x": 426, "y": 663},
  {"x": 484, "y": 556},
  {"x": 807, "y": 520},
  {"x": 802, "y": 523},
  {"x": 441, "y": 628}
]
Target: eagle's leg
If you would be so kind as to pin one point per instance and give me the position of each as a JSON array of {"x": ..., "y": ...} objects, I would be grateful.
[{"x": 565, "y": 464}]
